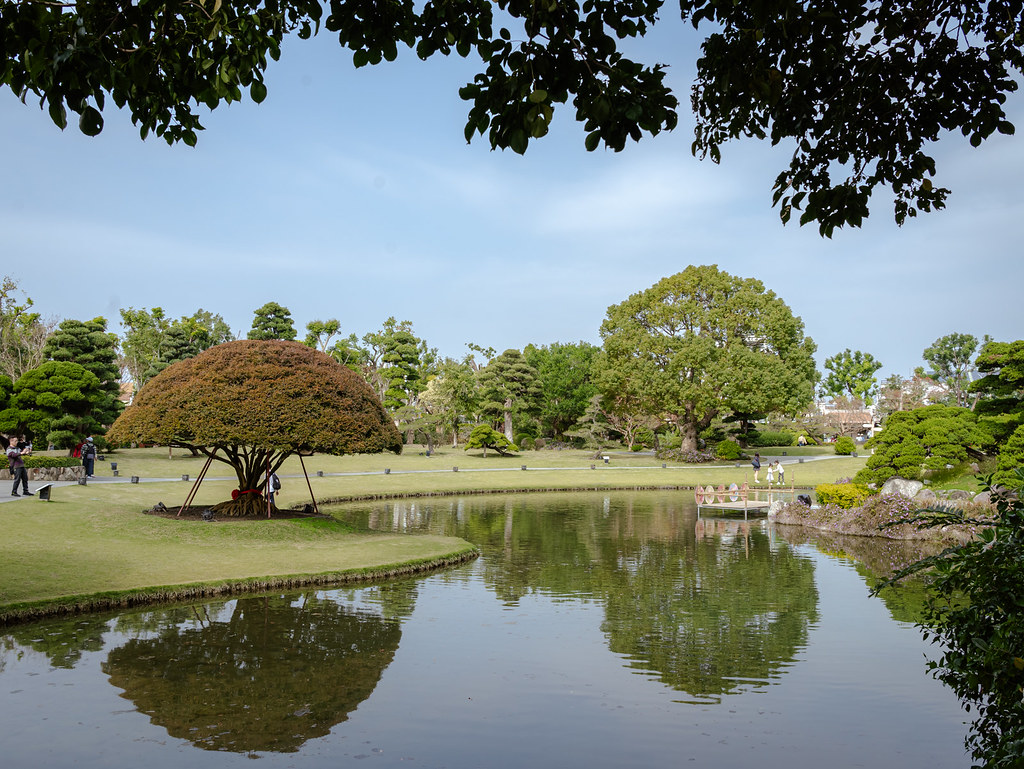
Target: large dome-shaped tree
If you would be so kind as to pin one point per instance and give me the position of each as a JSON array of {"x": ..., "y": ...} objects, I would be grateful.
[{"x": 252, "y": 404}]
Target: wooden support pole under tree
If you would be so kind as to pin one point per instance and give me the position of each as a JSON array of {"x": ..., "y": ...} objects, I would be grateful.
[
  {"x": 195, "y": 486},
  {"x": 310, "y": 485}
]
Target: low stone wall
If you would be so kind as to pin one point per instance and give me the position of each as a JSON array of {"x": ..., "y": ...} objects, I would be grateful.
[{"x": 49, "y": 473}]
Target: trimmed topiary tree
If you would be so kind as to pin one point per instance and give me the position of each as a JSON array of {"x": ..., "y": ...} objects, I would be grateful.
[
  {"x": 251, "y": 404},
  {"x": 927, "y": 438},
  {"x": 485, "y": 437},
  {"x": 845, "y": 446},
  {"x": 728, "y": 450}
]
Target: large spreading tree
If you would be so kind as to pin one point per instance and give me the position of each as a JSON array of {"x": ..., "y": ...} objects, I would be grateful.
[
  {"x": 856, "y": 90},
  {"x": 703, "y": 343},
  {"x": 252, "y": 404}
]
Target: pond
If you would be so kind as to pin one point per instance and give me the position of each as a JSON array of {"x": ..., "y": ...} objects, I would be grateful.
[{"x": 596, "y": 629}]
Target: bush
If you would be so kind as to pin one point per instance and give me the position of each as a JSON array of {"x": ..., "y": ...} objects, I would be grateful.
[
  {"x": 526, "y": 442},
  {"x": 766, "y": 438},
  {"x": 728, "y": 450},
  {"x": 844, "y": 495},
  {"x": 33, "y": 461},
  {"x": 845, "y": 446},
  {"x": 539, "y": 443}
]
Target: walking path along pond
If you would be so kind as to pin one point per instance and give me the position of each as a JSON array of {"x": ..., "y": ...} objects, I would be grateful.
[{"x": 596, "y": 629}]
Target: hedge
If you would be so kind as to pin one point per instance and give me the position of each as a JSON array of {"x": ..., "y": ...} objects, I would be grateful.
[{"x": 844, "y": 495}]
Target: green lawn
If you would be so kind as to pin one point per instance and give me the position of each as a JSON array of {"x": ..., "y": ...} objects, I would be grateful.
[{"x": 93, "y": 541}]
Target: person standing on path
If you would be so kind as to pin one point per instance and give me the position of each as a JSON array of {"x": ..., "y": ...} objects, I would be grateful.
[
  {"x": 89, "y": 456},
  {"x": 15, "y": 456},
  {"x": 756, "y": 464},
  {"x": 273, "y": 486}
]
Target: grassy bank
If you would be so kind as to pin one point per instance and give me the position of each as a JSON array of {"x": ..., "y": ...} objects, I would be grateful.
[{"x": 91, "y": 546}]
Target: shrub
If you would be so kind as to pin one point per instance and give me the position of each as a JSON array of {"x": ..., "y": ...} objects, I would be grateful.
[
  {"x": 844, "y": 495},
  {"x": 539, "y": 443},
  {"x": 526, "y": 442},
  {"x": 728, "y": 450},
  {"x": 845, "y": 446},
  {"x": 770, "y": 438},
  {"x": 33, "y": 461}
]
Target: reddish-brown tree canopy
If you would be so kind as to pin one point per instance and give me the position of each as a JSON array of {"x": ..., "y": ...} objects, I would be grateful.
[
  {"x": 256, "y": 403},
  {"x": 268, "y": 394}
]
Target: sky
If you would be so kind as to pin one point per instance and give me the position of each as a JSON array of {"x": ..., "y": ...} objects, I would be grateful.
[{"x": 352, "y": 194}]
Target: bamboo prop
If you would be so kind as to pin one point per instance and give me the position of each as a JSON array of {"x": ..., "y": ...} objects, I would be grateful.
[
  {"x": 310, "y": 485},
  {"x": 195, "y": 486}
]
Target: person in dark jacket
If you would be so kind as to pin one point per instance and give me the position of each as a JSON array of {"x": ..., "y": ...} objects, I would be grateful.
[
  {"x": 15, "y": 458},
  {"x": 89, "y": 456}
]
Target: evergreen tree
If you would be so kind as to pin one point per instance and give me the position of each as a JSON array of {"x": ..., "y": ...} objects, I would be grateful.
[
  {"x": 1000, "y": 405},
  {"x": 272, "y": 321},
  {"x": 90, "y": 346},
  {"x": 509, "y": 389},
  {"x": 59, "y": 402}
]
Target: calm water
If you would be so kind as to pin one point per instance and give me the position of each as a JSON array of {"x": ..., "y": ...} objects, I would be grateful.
[{"x": 597, "y": 630}]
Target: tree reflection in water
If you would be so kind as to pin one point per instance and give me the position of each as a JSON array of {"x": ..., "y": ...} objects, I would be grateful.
[
  {"x": 261, "y": 674},
  {"x": 710, "y": 606}
]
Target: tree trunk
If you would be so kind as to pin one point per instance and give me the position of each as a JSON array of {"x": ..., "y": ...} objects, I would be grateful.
[
  {"x": 508, "y": 420},
  {"x": 688, "y": 432}
]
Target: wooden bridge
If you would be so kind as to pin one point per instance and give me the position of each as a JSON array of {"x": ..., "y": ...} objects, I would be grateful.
[{"x": 740, "y": 497}]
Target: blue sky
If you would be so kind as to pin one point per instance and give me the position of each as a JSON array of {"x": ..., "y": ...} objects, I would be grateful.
[{"x": 352, "y": 194}]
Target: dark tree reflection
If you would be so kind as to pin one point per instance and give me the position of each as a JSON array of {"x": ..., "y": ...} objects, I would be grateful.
[
  {"x": 708, "y": 606},
  {"x": 273, "y": 673}
]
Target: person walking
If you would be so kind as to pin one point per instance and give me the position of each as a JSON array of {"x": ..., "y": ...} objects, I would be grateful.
[
  {"x": 756, "y": 464},
  {"x": 89, "y": 456},
  {"x": 782, "y": 473},
  {"x": 15, "y": 458}
]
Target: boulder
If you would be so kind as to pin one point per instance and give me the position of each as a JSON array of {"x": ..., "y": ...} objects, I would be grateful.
[
  {"x": 959, "y": 494},
  {"x": 925, "y": 496},
  {"x": 983, "y": 497},
  {"x": 901, "y": 486},
  {"x": 775, "y": 507}
]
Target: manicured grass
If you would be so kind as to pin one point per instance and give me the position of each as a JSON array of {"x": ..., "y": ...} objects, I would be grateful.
[{"x": 94, "y": 540}]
